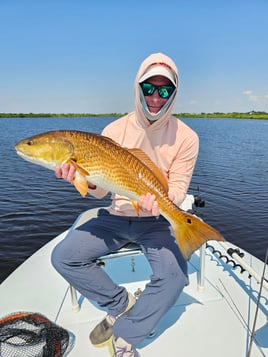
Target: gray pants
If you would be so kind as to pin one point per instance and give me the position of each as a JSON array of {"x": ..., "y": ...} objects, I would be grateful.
[{"x": 75, "y": 259}]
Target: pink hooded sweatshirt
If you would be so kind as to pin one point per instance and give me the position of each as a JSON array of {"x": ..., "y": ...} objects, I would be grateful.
[{"x": 170, "y": 143}]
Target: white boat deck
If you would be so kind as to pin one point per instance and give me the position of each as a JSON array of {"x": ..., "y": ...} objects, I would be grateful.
[{"x": 213, "y": 322}]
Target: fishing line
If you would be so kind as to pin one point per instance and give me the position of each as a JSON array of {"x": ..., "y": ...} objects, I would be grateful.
[
  {"x": 258, "y": 305},
  {"x": 234, "y": 308}
]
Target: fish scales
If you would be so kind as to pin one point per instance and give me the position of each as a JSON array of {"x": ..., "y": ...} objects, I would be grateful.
[
  {"x": 127, "y": 172},
  {"x": 117, "y": 166}
]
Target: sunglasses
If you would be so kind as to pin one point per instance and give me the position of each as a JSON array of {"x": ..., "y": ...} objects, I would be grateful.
[{"x": 165, "y": 92}]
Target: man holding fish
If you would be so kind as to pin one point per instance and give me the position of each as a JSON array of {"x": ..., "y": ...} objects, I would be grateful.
[{"x": 173, "y": 148}]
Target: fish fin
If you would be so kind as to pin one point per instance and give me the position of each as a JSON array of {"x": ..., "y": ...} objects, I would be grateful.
[
  {"x": 191, "y": 232},
  {"x": 80, "y": 169},
  {"x": 136, "y": 207},
  {"x": 80, "y": 183},
  {"x": 151, "y": 165}
]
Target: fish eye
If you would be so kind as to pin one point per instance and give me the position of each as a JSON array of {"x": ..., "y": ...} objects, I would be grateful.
[{"x": 30, "y": 142}]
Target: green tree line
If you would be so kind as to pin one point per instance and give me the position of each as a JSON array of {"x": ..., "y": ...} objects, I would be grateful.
[{"x": 248, "y": 115}]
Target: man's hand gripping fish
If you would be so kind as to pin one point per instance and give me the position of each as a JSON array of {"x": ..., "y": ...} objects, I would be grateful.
[{"x": 127, "y": 172}]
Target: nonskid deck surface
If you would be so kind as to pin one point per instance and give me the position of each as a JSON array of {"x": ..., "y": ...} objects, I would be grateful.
[
  {"x": 213, "y": 322},
  {"x": 199, "y": 324}
]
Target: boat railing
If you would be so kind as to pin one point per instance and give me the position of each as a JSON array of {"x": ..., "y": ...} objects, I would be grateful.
[{"x": 201, "y": 270}]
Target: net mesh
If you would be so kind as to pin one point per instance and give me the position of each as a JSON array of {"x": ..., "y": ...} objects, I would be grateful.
[{"x": 25, "y": 334}]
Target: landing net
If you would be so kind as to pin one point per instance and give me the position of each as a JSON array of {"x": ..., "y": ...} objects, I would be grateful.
[{"x": 25, "y": 334}]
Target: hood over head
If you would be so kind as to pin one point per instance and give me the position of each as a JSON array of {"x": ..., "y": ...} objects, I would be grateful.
[{"x": 155, "y": 65}]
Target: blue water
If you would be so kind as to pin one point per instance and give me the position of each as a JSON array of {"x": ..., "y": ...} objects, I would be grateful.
[{"x": 231, "y": 172}]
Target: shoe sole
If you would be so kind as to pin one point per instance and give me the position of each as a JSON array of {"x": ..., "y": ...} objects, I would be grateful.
[{"x": 105, "y": 343}]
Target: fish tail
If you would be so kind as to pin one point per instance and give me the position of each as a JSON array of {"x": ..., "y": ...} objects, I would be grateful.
[{"x": 191, "y": 233}]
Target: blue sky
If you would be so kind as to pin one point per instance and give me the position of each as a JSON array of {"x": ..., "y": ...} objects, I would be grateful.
[{"x": 81, "y": 56}]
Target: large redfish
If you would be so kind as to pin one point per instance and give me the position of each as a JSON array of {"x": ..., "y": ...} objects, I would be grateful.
[{"x": 127, "y": 172}]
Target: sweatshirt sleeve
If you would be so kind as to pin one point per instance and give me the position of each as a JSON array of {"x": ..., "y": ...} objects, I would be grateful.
[{"x": 182, "y": 167}]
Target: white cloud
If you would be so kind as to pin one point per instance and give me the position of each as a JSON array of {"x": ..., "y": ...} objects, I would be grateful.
[{"x": 256, "y": 98}]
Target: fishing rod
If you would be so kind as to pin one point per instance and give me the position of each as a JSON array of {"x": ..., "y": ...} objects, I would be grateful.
[
  {"x": 199, "y": 202},
  {"x": 233, "y": 253},
  {"x": 258, "y": 304}
]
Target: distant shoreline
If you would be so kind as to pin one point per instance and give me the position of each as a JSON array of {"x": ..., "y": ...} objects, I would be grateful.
[{"x": 249, "y": 115}]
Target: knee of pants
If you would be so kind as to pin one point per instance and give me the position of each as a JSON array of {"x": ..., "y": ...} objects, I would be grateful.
[
  {"x": 56, "y": 260},
  {"x": 60, "y": 258}
]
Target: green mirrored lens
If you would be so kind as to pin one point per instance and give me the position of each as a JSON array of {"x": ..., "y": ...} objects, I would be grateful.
[
  {"x": 148, "y": 88},
  {"x": 163, "y": 91}
]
